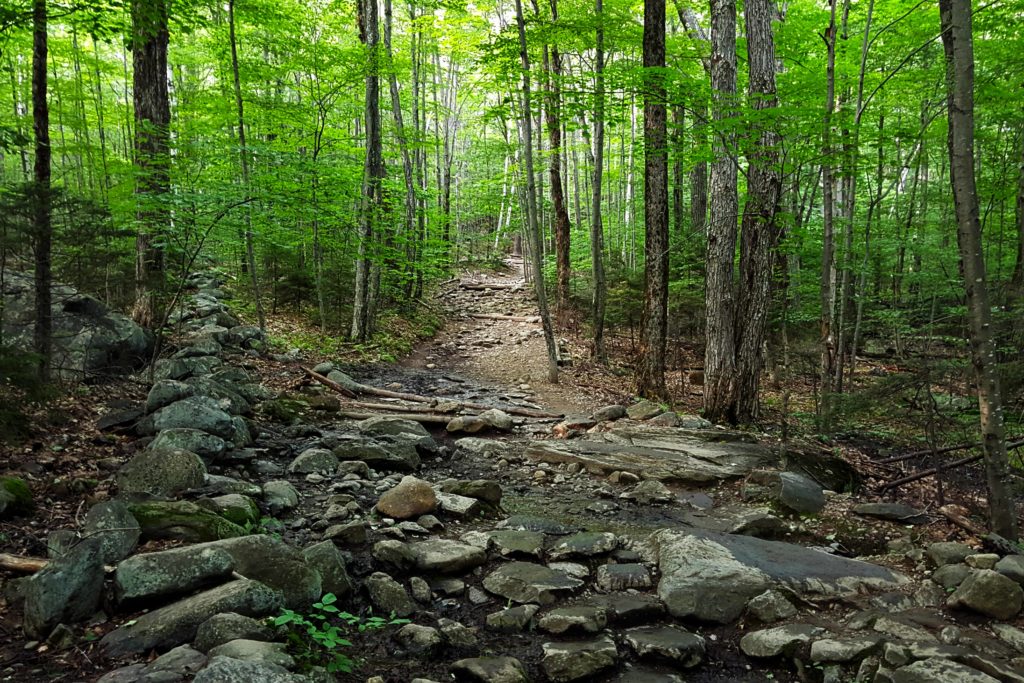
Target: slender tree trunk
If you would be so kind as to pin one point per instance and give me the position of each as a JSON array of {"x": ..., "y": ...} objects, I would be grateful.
[
  {"x": 403, "y": 144},
  {"x": 152, "y": 121},
  {"x": 720, "y": 349},
  {"x": 827, "y": 334},
  {"x": 42, "y": 330},
  {"x": 533, "y": 228},
  {"x": 957, "y": 42},
  {"x": 554, "y": 121},
  {"x": 1017, "y": 281},
  {"x": 596, "y": 226},
  {"x": 651, "y": 376},
  {"x": 243, "y": 153},
  {"x": 678, "y": 149}
]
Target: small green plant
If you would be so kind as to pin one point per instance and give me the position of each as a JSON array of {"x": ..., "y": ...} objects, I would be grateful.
[{"x": 316, "y": 637}]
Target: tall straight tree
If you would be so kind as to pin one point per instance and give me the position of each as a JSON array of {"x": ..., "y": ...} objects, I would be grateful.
[
  {"x": 42, "y": 219},
  {"x": 719, "y": 349},
  {"x": 651, "y": 377},
  {"x": 152, "y": 158},
  {"x": 958, "y": 44},
  {"x": 554, "y": 122},
  {"x": 596, "y": 226},
  {"x": 828, "y": 274},
  {"x": 532, "y": 224},
  {"x": 373, "y": 173}
]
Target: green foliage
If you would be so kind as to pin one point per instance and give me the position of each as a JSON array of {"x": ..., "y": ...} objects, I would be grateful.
[{"x": 317, "y": 637}]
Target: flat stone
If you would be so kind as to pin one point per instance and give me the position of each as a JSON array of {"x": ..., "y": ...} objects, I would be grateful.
[
  {"x": 770, "y": 606},
  {"x": 389, "y": 596},
  {"x": 792, "y": 491},
  {"x": 456, "y": 505},
  {"x": 541, "y": 525},
  {"x": 578, "y": 619},
  {"x": 947, "y": 552},
  {"x": 258, "y": 651},
  {"x": 610, "y": 412},
  {"x": 669, "y": 643},
  {"x": 627, "y": 609},
  {"x": 772, "y": 642},
  {"x": 112, "y": 522},
  {"x": 894, "y": 512},
  {"x": 314, "y": 460},
  {"x": 230, "y": 670},
  {"x": 280, "y": 566},
  {"x": 223, "y": 628},
  {"x": 619, "y": 577},
  {"x": 843, "y": 650},
  {"x": 171, "y": 572},
  {"x": 391, "y": 426},
  {"x": 939, "y": 671},
  {"x": 180, "y": 662},
  {"x": 647, "y": 492},
  {"x": 66, "y": 590},
  {"x": 513, "y": 619},
  {"x": 490, "y": 670},
  {"x": 982, "y": 561},
  {"x": 643, "y": 410},
  {"x": 576, "y": 661},
  {"x": 514, "y": 543},
  {"x": 989, "y": 593},
  {"x": 446, "y": 556},
  {"x": 584, "y": 544},
  {"x": 524, "y": 582}
]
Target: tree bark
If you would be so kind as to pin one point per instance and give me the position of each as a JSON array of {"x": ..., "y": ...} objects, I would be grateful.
[
  {"x": 957, "y": 42},
  {"x": 720, "y": 349},
  {"x": 554, "y": 122},
  {"x": 152, "y": 154},
  {"x": 828, "y": 295},
  {"x": 532, "y": 226},
  {"x": 1017, "y": 281},
  {"x": 43, "y": 228},
  {"x": 651, "y": 376},
  {"x": 596, "y": 226}
]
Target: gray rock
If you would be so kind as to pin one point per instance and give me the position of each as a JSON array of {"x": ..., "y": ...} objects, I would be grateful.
[
  {"x": 457, "y": 634},
  {"x": 1012, "y": 567},
  {"x": 608, "y": 413},
  {"x": 411, "y": 498},
  {"x": 947, "y": 552},
  {"x": 228, "y": 670},
  {"x": 844, "y": 650},
  {"x": 951, "y": 575},
  {"x": 490, "y": 670},
  {"x": 524, "y": 582},
  {"x": 627, "y": 609},
  {"x": 643, "y": 410},
  {"x": 515, "y": 543},
  {"x": 458, "y": 506},
  {"x": 397, "y": 457},
  {"x": 541, "y": 525},
  {"x": 350, "y": 533},
  {"x": 223, "y": 628},
  {"x": 790, "y": 490},
  {"x": 446, "y": 556},
  {"x": 770, "y": 606},
  {"x": 196, "y": 412},
  {"x": 280, "y": 496},
  {"x": 164, "y": 392},
  {"x": 388, "y": 596},
  {"x": 648, "y": 492},
  {"x": 712, "y": 576},
  {"x": 234, "y": 507},
  {"x": 419, "y": 640},
  {"x": 1010, "y": 635},
  {"x": 620, "y": 577},
  {"x": 578, "y": 619},
  {"x": 117, "y": 529},
  {"x": 982, "y": 561},
  {"x": 513, "y": 619},
  {"x": 314, "y": 460},
  {"x": 496, "y": 419},
  {"x": 277, "y": 565},
  {"x": 66, "y": 590},
  {"x": 185, "y": 368},
  {"x": 392, "y": 426},
  {"x": 258, "y": 651},
  {"x": 179, "y": 662},
  {"x": 181, "y": 520},
  {"x": 178, "y": 622},
  {"x": 939, "y": 671},
  {"x": 667, "y": 419},
  {"x": 989, "y": 593},
  {"x": 669, "y": 643},
  {"x": 565, "y": 662},
  {"x": 772, "y": 642},
  {"x": 395, "y": 554},
  {"x": 636, "y": 674},
  {"x": 162, "y": 472},
  {"x": 584, "y": 544},
  {"x": 895, "y": 512},
  {"x": 486, "y": 490},
  {"x": 327, "y": 560},
  {"x": 420, "y": 590},
  {"x": 219, "y": 485},
  {"x": 202, "y": 444},
  {"x": 171, "y": 572}
]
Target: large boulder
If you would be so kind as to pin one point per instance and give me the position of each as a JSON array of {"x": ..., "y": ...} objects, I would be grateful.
[
  {"x": 276, "y": 564},
  {"x": 181, "y": 520},
  {"x": 112, "y": 522},
  {"x": 171, "y": 572},
  {"x": 989, "y": 593},
  {"x": 15, "y": 496},
  {"x": 161, "y": 472},
  {"x": 186, "y": 439},
  {"x": 230, "y": 670},
  {"x": 525, "y": 582},
  {"x": 66, "y": 590},
  {"x": 392, "y": 426},
  {"x": 196, "y": 412},
  {"x": 411, "y": 498},
  {"x": 87, "y": 336}
]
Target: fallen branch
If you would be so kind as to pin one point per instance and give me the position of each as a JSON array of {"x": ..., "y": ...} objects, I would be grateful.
[
  {"x": 492, "y": 285},
  {"x": 440, "y": 407},
  {"x": 22, "y": 565},
  {"x": 513, "y": 318},
  {"x": 415, "y": 417},
  {"x": 929, "y": 473},
  {"x": 1017, "y": 443},
  {"x": 330, "y": 384},
  {"x": 952, "y": 515}
]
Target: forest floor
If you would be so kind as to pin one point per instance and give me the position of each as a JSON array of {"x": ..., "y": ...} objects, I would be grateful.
[{"x": 479, "y": 357}]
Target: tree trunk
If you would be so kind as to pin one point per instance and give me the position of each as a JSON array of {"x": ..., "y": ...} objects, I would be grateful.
[
  {"x": 562, "y": 226},
  {"x": 596, "y": 226},
  {"x": 827, "y": 333},
  {"x": 42, "y": 330},
  {"x": 760, "y": 235},
  {"x": 152, "y": 156},
  {"x": 651, "y": 377},
  {"x": 1017, "y": 281},
  {"x": 533, "y": 228},
  {"x": 957, "y": 42},
  {"x": 678, "y": 148},
  {"x": 720, "y": 349},
  {"x": 243, "y": 153}
]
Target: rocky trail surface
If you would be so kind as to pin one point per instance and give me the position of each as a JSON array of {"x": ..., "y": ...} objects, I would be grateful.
[{"x": 526, "y": 532}]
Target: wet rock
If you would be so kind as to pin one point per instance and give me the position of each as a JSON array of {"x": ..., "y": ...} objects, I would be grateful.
[
  {"x": 989, "y": 593},
  {"x": 446, "y": 556},
  {"x": 584, "y": 544},
  {"x": 1012, "y": 567},
  {"x": 628, "y": 609},
  {"x": 770, "y": 606},
  {"x": 772, "y": 642},
  {"x": 648, "y": 492},
  {"x": 643, "y": 410},
  {"x": 566, "y": 662},
  {"x": 276, "y": 564},
  {"x": 946, "y": 552},
  {"x": 280, "y": 496},
  {"x": 620, "y": 577},
  {"x": 894, "y": 512},
  {"x": 196, "y": 412},
  {"x": 223, "y": 628},
  {"x": 843, "y": 650},
  {"x": 490, "y": 670},
  {"x": 608, "y": 413},
  {"x": 177, "y": 623},
  {"x": 314, "y": 460},
  {"x": 181, "y": 520},
  {"x": 66, "y": 590},
  {"x": 541, "y": 525},
  {"x": 117, "y": 530},
  {"x": 388, "y": 596},
  {"x": 397, "y": 457},
  {"x": 411, "y": 498},
  {"x": 351, "y": 533},
  {"x": 391, "y": 426},
  {"x": 170, "y": 572},
  {"x": 951, "y": 575},
  {"x": 513, "y": 543},
  {"x": 198, "y": 442},
  {"x": 164, "y": 392},
  {"x": 939, "y": 671},
  {"x": 257, "y": 651},
  {"x": 577, "y": 619},
  {"x": 668, "y": 643},
  {"x": 790, "y": 490},
  {"x": 162, "y": 472},
  {"x": 229, "y": 670},
  {"x": 327, "y": 560},
  {"x": 636, "y": 674},
  {"x": 527, "y": 582},
  {"x": 419, "y": 640}
]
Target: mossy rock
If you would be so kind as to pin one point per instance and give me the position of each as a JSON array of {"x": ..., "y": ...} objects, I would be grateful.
[
  {"x": 15, "y": 496},
  {"x": 283, "y": 410},
  {"x": 182, "y": 520}
]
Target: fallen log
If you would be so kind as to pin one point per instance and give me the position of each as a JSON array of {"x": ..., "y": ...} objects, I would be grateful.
[
  {"x": 22, "y": 565},
  {"x": 330, "y": 384},
  {"x": 1016, "y": 443},
  {"x": 513, "y": 318},
  {"x": 414, "y": 417},
  {"x": 441, "y": 407},
  {"x": 489, "y": 285},
  {"x": 950, "y": 513},
  {"x": 929, "y": 472}
]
